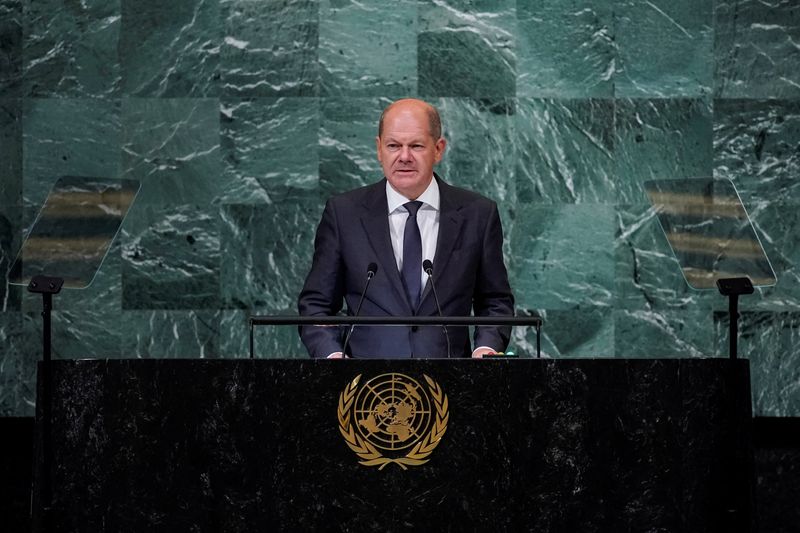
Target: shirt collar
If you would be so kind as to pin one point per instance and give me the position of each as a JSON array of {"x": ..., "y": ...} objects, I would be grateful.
[{"x": 430, "y": 197}]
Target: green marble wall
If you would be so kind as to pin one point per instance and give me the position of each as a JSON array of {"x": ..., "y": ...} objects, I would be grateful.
[{"x": 239, "y": 117}]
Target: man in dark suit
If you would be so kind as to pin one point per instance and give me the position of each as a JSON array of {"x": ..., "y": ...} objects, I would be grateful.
[{"x": 397, "y": 223}]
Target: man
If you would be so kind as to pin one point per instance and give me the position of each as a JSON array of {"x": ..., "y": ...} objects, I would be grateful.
[{"x": 397, "y": 223}]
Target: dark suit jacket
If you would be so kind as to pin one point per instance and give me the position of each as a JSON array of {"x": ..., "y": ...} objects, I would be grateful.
[{"x": 468, "y": 272}]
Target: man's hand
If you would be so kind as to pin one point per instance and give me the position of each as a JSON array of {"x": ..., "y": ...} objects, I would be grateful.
[{"x": 480, "y": 351}]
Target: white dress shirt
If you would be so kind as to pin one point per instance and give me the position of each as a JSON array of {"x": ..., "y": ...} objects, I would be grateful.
[{"x": 427, "y": 220}]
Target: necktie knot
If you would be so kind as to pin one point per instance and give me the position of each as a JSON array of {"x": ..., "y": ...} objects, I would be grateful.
[{"x": 412, "y": 207}]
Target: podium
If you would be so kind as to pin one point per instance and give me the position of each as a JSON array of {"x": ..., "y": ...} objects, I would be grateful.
[{"x": 501, "y": 445}]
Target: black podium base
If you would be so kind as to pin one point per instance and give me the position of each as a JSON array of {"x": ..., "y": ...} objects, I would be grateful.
[{"x": 523, "y": 445}]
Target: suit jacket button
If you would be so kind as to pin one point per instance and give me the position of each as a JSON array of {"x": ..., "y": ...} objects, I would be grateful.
[{"x": 414, "y": 328}]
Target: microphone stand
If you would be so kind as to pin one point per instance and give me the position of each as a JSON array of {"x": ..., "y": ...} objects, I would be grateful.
[
  {"x": 428, "y": 266},
  {"x": 371, "y": 270}
]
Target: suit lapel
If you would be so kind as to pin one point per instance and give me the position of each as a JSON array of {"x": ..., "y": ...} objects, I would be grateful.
[
  {"x": 450, "y": 222},
  {"x": 376, "y": 225}
]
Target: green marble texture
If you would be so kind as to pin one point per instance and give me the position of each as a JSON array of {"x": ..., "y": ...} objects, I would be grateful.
[
  {"x": 269, "y": 48},
  {"x": 259, "y": 140},
  {"x": 70, "y": 48},
  {"x": 566, "y": 49},
  {"x": 10, "y": 151},
  {"x": 68, "y": 136},
  {"x": 240, "y": 117},
  {"x": 270, "y": 243},
  {"x": 170, "y": 49},
  {"x": 756, "y": 146},
  {"x": 368, "y": 48},
  {"x": 481, "y": 147},
  {"x": 347, "y": 150},
  {"x": 559, "y": 339},
  {"x": 10, "y": 48},
  {"x": 566, "y": 151},
  {"x": 173, "y": 147},
  {"x": 171, "y": 334},
  {"x": 171, "y": 257},
  {"x": 466, "y": 48},
  {"x": 660, "y": 139},
  {"x": 21, "y": 343},
  {"x": 561, "y": 256},
  {"x": 664, "y": 47},
  {"x": 755, "y": 49}
]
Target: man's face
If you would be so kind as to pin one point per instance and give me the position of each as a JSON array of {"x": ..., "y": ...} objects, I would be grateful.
[{"x": 406, "y": 149}]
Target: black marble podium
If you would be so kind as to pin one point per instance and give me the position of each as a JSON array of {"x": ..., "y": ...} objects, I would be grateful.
[{"x": 530, "y": 445}]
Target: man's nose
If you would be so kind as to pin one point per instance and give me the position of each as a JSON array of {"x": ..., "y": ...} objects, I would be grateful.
[{"x": 405, "y": 153}]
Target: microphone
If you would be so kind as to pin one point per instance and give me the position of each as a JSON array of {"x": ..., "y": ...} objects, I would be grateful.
[
  {"x": 427, "y": 266},
  {"x": 371, "y": 270}
]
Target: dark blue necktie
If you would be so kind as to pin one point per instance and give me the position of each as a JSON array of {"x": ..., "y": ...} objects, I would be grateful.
[{"x": 412, "y": 254}]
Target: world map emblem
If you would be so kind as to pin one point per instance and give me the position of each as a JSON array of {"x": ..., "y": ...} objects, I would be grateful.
[{"x": 392, "y": 418}]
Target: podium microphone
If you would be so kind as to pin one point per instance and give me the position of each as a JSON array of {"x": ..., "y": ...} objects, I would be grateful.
[
  {"x": 427, "y": 266},
  {"x": 371, "y": 270}
]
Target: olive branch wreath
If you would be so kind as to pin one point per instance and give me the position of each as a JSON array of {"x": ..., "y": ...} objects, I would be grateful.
[{"x": 368, "y": 453}]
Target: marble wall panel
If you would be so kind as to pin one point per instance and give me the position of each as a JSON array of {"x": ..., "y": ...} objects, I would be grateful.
[
  {"x": 269, "y": 341},
  {"x": 566, "y": 151},
  {"x": 171, "y": 334},
  {"x": 70, "y": 48},
  {"x": 467, "y": 48},
  {"x": 583, "y": 332},
  {"x": 682, "y": 332},
  {"x": 565, "y": 50},
  {"x": 172, "y": 147},
  {"x": 665, "y": 48},
  {"x": 755, "y": 49},
  {"x": 269, "y": 146},
  {"x": 757, "y": 145},
  {"x": 10, "y": 48},
  {"x": 481, "y": 147},
  {"x": 170, "y": 257},
  {"x": 270, "y": 48},
  {"x": 20, "y": 349},
  {"x": 10, "y": 241},
  {"x": 10, "y": 151},
  {"x": 368, "y": 48},
  {"x": 10, "y": 196},
  {"x": 87, "y": 331},
  {"x": 170, "y": 49},
  {"x": 67, "y": 136},
  {"x": 562, "y": 259},
  {"x": 347, "y": 150},
  {"x": 273, "y": 246},
  {"x": 660, "y": 139}
]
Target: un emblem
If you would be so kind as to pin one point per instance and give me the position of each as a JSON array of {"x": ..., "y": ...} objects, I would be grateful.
[{"x": 392, "y": 419}]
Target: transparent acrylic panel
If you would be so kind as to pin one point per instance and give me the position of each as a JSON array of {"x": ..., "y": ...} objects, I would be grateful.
[
  {"x": 709, "y": 231},
  {"x": 74, "y": 230}
]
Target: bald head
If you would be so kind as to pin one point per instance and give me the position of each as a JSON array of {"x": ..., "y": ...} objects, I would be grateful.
[{"x": 434, "y": 121}]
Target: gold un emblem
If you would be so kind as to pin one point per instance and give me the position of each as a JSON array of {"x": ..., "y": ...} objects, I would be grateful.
[{"x": 392, "y": 419}]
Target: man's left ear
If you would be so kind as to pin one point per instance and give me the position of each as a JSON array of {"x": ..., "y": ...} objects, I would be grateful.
[{"x": 440, "y": 146}]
